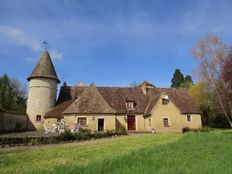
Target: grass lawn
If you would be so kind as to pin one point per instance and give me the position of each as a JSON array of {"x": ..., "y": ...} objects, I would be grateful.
[{"x": 208, "y": 152}]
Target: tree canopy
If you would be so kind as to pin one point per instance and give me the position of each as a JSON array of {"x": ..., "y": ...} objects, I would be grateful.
[
  {"x": 12, "y": 94},
  {"x": 215, "y": 71},
  {"x": 179, "y": 80}
]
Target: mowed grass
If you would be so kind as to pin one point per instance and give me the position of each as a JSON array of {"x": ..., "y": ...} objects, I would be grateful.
[{"x": 163, "y": 153}]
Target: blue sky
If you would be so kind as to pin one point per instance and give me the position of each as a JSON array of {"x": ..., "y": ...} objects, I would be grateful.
[{"x": 109, "y": 42}]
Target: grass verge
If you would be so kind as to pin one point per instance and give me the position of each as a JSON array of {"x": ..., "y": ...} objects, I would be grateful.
[{"x": 201, "y": 152}]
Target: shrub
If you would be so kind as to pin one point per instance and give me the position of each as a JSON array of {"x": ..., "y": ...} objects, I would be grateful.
[
  {"x": 205, "y": 129},
  {"x": 110, "y": 133},
  {"x": 83, "y": 130},
  {"x": 186, "y": 129},
  {"x": 99, "y": 134},
  {"x": 67, "y": 136},
  {"x": 82, "y": 136},
  {"x": 121, "y": 130}
]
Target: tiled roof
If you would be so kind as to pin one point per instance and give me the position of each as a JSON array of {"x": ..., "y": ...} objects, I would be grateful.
[
  {"x": 92, "y": 99},
  {"x": 44, "y": 68}
]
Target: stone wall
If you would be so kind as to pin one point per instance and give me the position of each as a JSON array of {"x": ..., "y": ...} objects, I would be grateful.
[
  {"x": 12, "y": 122},
  {"x": 41, "y": 98}
]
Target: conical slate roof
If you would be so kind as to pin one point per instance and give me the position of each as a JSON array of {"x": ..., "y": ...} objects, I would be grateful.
[{"x": 44, "y": 68}]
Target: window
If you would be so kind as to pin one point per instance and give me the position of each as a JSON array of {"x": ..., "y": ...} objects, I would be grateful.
[
  {"x": 166, "y": 122},
  {"x": 58, "y": 119},
  {"x": 82, "y": 122},
  {"x": 189, "y": 118},
  {"x": 149, "y": 122},
  {"x": 164, "y": 101},
  {"x": 130, "y": 105},
  {"x": 38, "y": 117}
]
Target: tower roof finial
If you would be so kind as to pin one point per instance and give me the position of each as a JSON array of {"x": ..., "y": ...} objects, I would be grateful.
[{"x": 45, "y": 45}]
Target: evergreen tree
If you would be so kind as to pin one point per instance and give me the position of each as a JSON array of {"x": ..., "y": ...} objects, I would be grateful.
[
  {"x": 188, "y": 82},
  {"x": 188, "y": 78},
  {"x": 12, "y": 94},
  {"x": 177, "y": 79}
]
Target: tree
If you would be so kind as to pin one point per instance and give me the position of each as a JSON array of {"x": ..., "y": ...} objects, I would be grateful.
[
  {"x": 212, "y": 53},
  {"x": 226, "y": 73},
  {"x": 177, "y": 79},
  {"x": 188, "y": 82},
  {"x": 200, "y": 93},
  {"x": 134, "y": 84},
  {"x": 188, "y": 78},
  {"x": 12, "y": 94}
]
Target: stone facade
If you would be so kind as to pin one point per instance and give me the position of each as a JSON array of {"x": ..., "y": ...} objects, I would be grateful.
[
  {"x": 41, "y": 98},
  {"x": 91, "y": 121},
  {"x": 176, "y": 120},
  {"x": 138, "y": 108}
]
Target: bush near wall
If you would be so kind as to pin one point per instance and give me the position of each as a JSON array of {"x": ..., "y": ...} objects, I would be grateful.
[
  {"x": 204, "y": 129},
  {"x": 81, "y": 135},
  {"x": 86, "y": 134}
]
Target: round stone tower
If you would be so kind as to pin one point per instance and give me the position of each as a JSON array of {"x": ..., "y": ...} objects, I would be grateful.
[{"x": 42, "y": 91}]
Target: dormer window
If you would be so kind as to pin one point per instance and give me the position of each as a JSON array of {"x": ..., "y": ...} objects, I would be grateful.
[
  {"x": 130, "y": 105},
  {"x": 165, "y": 100}
]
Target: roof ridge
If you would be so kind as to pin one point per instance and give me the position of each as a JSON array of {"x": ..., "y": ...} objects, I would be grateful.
[
  {"x": 149, "y": 103},
  {"x": 104, "y": 98}
]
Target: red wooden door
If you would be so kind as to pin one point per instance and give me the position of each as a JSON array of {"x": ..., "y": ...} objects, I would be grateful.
[{"x": 131, "y": 123}]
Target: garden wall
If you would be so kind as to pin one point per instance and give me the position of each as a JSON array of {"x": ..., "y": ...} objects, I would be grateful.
[{"x": 10, "y": 122}]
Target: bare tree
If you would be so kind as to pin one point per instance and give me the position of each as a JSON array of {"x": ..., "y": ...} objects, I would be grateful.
[
  {"x": 134, "y": 84},
  {"x": 212, "y": 53}
]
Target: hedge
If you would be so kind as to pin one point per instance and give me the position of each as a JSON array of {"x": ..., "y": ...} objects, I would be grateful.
[{"x": 81, "y": 135}]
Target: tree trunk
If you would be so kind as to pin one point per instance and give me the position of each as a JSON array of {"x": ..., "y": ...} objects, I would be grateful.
[
  {"x": 218, "y": 96},
  {"x": 230, "y": 105}
]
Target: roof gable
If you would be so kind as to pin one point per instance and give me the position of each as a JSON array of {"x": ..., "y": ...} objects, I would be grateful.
[
  {"x": 117, "y": 97},
  {"x": 90, "y": 101}
]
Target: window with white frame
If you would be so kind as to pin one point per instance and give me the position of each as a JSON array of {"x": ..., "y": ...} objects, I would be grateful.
[
  {"x": 166, "y": 122},
  {"x": 82, "y": 122},
  {"x": 189, "y": 118},
  {"x": 130, "y": 105}
]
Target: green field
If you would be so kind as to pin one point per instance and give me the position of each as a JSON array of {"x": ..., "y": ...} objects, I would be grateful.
[{"x": 206, "y": 152}]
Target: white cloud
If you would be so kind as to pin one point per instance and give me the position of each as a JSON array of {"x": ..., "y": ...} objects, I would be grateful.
[
  {"x": 29, "y": 59},
  {"x": 208, "y": 16},
  {"x": 19, "y": 37},
  {"x": 55, "y": 54}
]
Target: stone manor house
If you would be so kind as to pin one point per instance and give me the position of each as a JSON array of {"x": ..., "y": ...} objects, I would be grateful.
[{"x": 140, "y": 108}]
